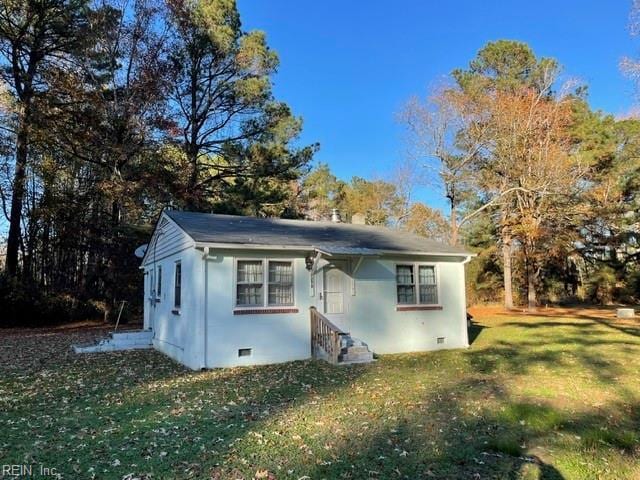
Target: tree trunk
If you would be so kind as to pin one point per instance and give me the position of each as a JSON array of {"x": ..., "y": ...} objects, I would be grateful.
[
  {"x": 18, "y": 188},
  {"x": 192, "y": 197},
  {"x": 192, "y": 144},
  {"x": 507, "y": 275},
  {"x": 532, "y": 298},
  {"x": 454, "y": 227}
]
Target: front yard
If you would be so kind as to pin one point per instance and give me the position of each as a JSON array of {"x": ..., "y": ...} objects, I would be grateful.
[{"x": 553, "y": 396}]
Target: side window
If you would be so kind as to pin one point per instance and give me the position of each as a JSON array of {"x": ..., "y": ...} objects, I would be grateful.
[
  {"x": 177, "y": 294},
  {"x": 159, "y": 282}
]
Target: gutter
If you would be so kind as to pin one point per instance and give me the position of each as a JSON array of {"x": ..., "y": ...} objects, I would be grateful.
[{"x": 306, "y": 248}]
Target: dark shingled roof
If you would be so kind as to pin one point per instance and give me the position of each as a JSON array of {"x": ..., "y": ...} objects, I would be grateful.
[{"x": 336, "y": 238}]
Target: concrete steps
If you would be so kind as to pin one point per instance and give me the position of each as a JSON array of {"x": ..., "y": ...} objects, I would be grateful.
[
  {"x": 116, "y": 341},
  {"x": 354, "y": 351}
]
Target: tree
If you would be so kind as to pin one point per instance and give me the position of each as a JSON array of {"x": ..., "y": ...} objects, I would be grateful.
[
  {"x": 496, "y": 135},
  {"x": 448, "y": 133},
  {"x": 322, "y": 191},
  {"x": 377, "y": 200},
  {"x": 33, "y": 35},
  {"x": 106, "y": 147},
  {"x": 609, "y": 234},
  {"x": 228, "y": 121},
  {"x": 531, "y": 156},
  {"x": 427, "y": 222},
  {"x": 506, "y": 69}
]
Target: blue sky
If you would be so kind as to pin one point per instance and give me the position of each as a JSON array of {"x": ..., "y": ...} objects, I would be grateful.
[{"x": 348, "y": 66}]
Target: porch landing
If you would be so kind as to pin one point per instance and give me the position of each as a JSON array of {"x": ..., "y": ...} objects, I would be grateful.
[{"x": 130, "y": 340}]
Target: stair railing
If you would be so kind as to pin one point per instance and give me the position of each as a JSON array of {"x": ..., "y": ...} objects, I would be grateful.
[{"x": 326, "y": 336}]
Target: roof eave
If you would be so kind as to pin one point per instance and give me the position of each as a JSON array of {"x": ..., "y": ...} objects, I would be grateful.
[
  {"x": 306, "y": 248},
  {"x": 253, "y": 246}
]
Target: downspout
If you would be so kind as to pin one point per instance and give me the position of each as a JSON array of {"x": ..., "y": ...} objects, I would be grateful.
[
  {"x": 205, "y": 260},
  {"x": 464, "y": 295}
]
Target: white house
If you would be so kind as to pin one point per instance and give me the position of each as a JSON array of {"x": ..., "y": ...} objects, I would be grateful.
[{"x": 225, "y": 290}]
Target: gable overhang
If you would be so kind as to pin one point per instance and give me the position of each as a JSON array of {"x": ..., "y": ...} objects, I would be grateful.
[{"x": 157, "y": 231}]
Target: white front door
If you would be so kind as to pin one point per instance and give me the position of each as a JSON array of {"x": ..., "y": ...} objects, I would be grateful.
[{"x": 334, "y": 293}]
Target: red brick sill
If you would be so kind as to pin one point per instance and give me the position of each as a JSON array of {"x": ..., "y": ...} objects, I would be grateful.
[
  {"x": 264, "y": 311},
  {"x": 416, "y": 308}
]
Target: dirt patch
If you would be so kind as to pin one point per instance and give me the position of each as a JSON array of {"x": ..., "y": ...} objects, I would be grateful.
[
  {"x": 31, "y": 349},
  {"x": 83, "y": 326},
  {"x": 582, "y": 312}
]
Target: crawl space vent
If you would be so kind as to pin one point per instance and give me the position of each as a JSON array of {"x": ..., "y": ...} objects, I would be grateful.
[
  {"x": 440, "y": 340},
  {"x": 244, "y": 352}
]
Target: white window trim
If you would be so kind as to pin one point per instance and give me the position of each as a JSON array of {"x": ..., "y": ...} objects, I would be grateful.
[
  {"x": 177, "y": 308},
  {"x": 265, "y": 283},
  {"x": 158, "y": 280},
  {"x": 416, "y": 283}
]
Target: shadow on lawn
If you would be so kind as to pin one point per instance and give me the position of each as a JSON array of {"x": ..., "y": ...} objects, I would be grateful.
[
  {"x": 194, "y": 422},
  {"x": 463, "y": 423},
  {"x": 625, "y": 327},
  {"x": 474, "y": 329},
  {"x": 438, "y": 438},
  {"x": 467, "y": 423},
  {"x": 474, "y": 428}
]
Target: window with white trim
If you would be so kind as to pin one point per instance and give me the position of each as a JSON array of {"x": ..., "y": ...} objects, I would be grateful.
[
  {"x": 261, "y": 283},
  {"x": 280, "y": 283},
  {"x": 406, "y": 286},
  {"x": 177, "y": 292},
  {"x": 250, "y": 283},
  {"x": 159, "y": 282},
  {"x": 420, "y": 289},
  {"x": 427, "y": 284}
]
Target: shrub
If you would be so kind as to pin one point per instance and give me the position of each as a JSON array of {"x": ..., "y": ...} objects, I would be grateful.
[
  {"x": 484, "y": 276},
  {"x": 602, "y": 285},
  {"x": 26, "y": 305},
  {"x": 632, "y": 287}
]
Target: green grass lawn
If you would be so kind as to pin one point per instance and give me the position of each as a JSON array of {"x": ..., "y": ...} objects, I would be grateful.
[{"x": 534, "y": 398}]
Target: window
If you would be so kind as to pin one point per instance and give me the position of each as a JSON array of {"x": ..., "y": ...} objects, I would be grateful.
[
  {"x": 255, "y": 288},
  {"x": 177, "y": 294},
  {"x": 250, "y": 282},
  {"x": 426, "y": 285},
  {"x": 280, "y": 283},
  {"x": 406, "y": 284},
  {"x": 159, "y": 282},
  {"x": 427, "y": 282}
]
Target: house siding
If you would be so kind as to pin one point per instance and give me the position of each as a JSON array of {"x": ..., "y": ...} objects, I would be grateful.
[
  {"x": 371, "y": 313},
  {"x": 167, "y": 239},
  {"x": 272, "y": 337},
  {"x": 180, "y": 334},
  {"x": 373, "y": 316},
  {"x": 175, "y": 333}
]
